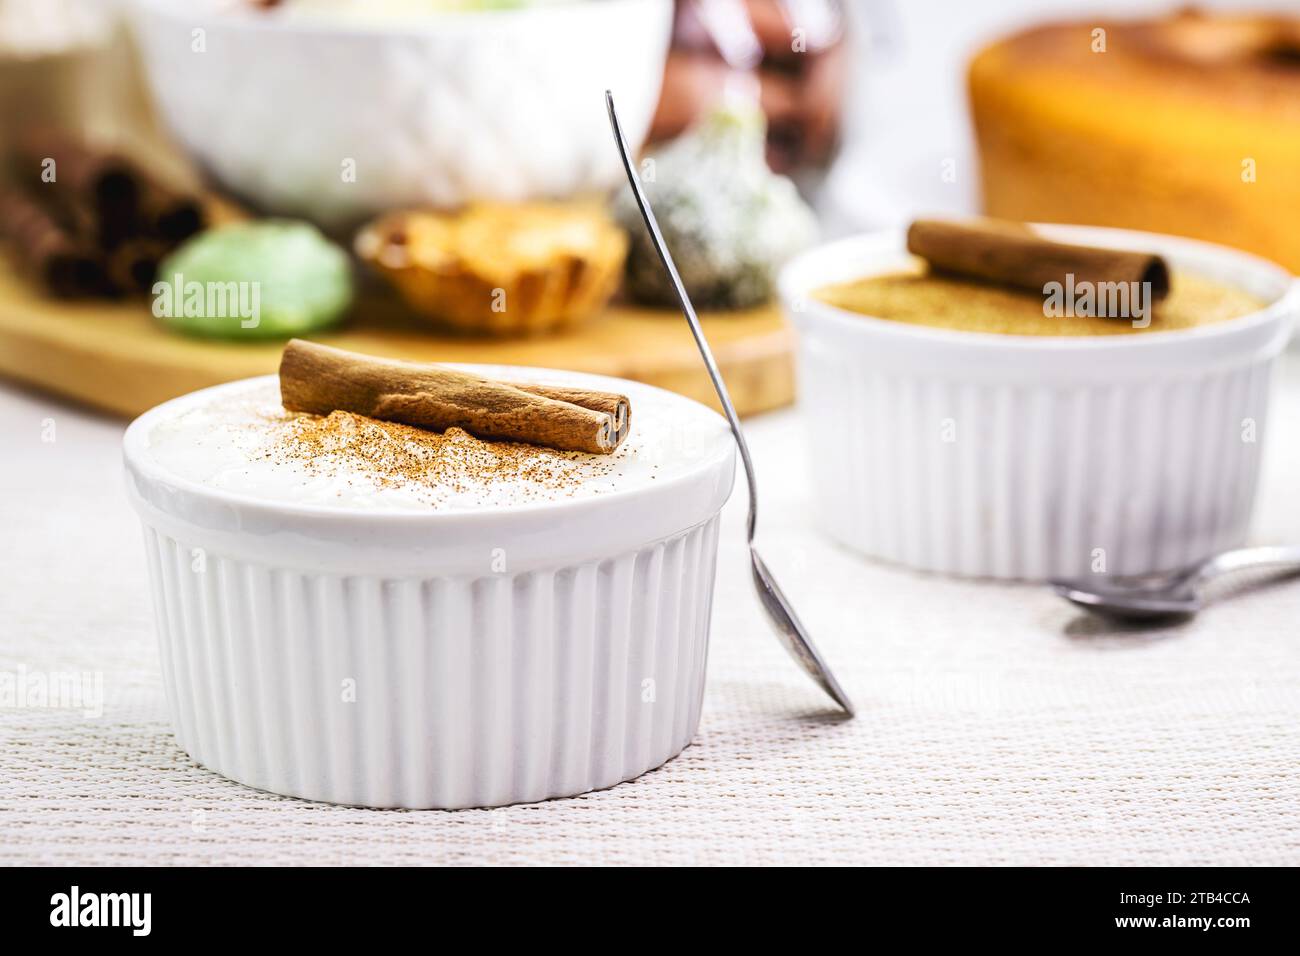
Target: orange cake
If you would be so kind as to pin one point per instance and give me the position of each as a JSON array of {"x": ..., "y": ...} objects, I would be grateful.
[{"x": 1187, "y": 124}]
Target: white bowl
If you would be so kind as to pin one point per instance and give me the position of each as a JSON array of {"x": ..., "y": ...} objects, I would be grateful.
[
  {"x": 577, "y": 666},
  {"x": 502, "y": 105},
  {"x": 1032, "y": 457}
]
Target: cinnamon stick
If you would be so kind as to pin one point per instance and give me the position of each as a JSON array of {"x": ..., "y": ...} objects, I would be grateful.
[
  {"x": 320, "y": 379},
  {"x": 610, "y": 403},
  {"x": 170, "y": 215},
  {"x": 105, "y": 195},
  {"x": 90, "y": 184},
  {"x": 43, "y": 249},
  {"x": 1013, "y": 254},
  {"x": 133, "y": 264}
]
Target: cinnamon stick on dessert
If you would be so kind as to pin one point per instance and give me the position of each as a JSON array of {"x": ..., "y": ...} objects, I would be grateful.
[
  {"x": 320, "y": 379},
  {"x": 1008, "y": 253},
  {"x": 612, "y": 404}
]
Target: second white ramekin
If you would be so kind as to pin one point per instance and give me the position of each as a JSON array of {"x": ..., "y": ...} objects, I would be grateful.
[
  {"x": 435, "y": 659},
  {"x": 1028, "y": 457}
]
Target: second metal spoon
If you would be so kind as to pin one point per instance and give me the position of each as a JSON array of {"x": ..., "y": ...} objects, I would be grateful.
[
  {"x": 787, "y": 624},
  {"x": 1177, "y": 594}
]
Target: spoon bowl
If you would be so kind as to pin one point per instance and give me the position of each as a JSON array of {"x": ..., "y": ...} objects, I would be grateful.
[
  {"x": 1179, "y": 593},
  {"x": 1130, "y": 604}
]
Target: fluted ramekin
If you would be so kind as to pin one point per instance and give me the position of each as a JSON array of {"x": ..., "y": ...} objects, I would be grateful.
[
  {"x": 1026, "y": 457},
  {"x": 433, "y": 659}
]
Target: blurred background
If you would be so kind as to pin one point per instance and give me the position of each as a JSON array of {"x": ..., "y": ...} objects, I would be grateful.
[
  {"x": 865, "y": 122},
  {"x": 382, "y": 122}
]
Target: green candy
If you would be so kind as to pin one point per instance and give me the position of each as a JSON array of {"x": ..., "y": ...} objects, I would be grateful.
[{"x": 262, "y": 280}]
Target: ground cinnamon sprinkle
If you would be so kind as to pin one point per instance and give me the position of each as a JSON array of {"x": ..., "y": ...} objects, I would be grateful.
[{"x": 391, "y": 455}]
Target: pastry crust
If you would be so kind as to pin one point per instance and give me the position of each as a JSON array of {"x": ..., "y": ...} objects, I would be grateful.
[{"x": 500, "y": 269}]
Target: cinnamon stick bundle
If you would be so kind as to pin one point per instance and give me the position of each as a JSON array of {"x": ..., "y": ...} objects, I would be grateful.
[
  {"x": 168, "y": 214},
  {"x": 133, "y": 264},
  {"x": 121, "y": 215},
  {"x": 89, "y": 184},
  {"x": 1013, "y": 254},
  {"x": 43, "y": 248},
  {"x": 320, "y": 379}
]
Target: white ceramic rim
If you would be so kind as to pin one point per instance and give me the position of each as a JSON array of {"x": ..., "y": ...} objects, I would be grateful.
[
  {"x": 180, "y": 11},
  {"x": 622, "y": 518},
  {"x": 879, "y": 252}
]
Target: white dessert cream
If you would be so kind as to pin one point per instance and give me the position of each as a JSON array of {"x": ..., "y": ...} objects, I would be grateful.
[{"x": 241, "y": 440}]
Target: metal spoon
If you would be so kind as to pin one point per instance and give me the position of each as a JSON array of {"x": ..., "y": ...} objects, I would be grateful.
[
  {"x": 788, "y": 628},
  {"x": 1176, "y": 594}
]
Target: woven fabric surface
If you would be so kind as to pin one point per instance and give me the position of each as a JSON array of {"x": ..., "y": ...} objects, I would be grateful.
[{"x": 996, "y": 724}]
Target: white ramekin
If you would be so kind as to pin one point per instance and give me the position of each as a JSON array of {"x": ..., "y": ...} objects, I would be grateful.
[
  {"x": 338, "y": 120},
  {"x": 451, "y": 659},
  {"x": 1030, "y": 457}
]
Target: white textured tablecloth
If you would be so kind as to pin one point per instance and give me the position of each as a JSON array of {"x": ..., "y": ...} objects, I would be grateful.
[{"x": 996, "y": 724}]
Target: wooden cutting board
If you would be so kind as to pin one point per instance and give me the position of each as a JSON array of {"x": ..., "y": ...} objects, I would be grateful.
[{"x": 115, "y": 356}]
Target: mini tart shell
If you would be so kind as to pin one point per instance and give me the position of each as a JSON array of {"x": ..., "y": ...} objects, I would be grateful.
[{"x": 455, "y": 289}]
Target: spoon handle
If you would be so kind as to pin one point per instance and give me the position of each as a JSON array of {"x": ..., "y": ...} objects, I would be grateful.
[
  {"x": 1241, "y": 559},
  {"x": 779, "y": 611},
  {"x": 634, "y": 180}
]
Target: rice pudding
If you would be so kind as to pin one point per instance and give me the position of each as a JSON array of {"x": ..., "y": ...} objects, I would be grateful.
[
  {"x": 366, "y": 613},
  {"x": 243, "y": 441}
]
